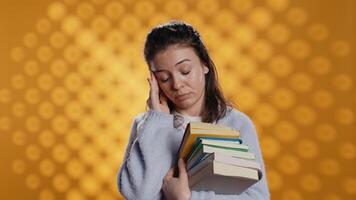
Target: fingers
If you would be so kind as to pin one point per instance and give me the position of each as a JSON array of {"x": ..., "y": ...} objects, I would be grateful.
[
  {"x": 153, "y": 83},
  {"x": 153, "y": 78},
  {"x": 149, "y": 101},
  {"x": 153, "y": 99},
  {"x": 182, "y": 170},
  {"x": 169, "y": 174},
  {"x": 157, "y": 99},
  {"x": 154, "y": 88}
]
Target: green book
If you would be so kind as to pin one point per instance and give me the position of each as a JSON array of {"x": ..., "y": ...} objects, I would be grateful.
[{"x": 204, "y": 146}]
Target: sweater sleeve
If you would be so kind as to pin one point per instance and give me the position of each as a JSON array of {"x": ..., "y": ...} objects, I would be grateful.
[
  {"x": 146, "y": 161},
  {"x": 258, "y": 191}
]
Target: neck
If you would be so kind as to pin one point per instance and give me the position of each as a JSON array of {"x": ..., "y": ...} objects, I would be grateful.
[{"x": 193, "y": 113}]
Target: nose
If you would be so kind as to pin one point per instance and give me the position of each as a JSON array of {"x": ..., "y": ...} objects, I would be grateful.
[{"x": 177, "y": 83}]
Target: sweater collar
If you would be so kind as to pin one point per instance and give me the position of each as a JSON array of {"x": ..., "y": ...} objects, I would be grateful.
[{"x": 181, "y": 120}]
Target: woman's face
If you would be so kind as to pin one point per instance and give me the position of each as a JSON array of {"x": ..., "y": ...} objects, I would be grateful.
[{"x": 181, "y": 76}]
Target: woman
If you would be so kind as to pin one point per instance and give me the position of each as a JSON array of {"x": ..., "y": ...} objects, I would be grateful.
[{"x": 183, "y": 88}]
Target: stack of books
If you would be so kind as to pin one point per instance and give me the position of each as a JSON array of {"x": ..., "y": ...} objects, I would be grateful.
[{"x": 217, "y": 160}]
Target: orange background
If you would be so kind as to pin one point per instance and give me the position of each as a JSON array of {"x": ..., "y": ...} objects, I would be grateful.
[{"x": 72, "y": 76}]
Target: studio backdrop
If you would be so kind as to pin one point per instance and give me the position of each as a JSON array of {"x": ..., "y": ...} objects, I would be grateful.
[{"x": 73, "y": 76}]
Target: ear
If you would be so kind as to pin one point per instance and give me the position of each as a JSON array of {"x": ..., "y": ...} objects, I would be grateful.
[{"x": 206, "y": 69}]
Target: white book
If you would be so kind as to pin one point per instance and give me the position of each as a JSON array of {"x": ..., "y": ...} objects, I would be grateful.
[
  {"x": 223, "y": 178},
  {"x": 218, "y": 157}
]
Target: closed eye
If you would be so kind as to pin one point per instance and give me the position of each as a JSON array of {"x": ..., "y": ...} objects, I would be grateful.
[
  {"x": 185, "y": 73},
  {"x": 165, "y": 80}
]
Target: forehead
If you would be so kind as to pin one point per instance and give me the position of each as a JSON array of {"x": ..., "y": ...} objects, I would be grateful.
[{"x": 172, "y": 55}]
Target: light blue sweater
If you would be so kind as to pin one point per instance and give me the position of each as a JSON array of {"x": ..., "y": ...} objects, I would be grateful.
[{"x": 152, "y": 150}]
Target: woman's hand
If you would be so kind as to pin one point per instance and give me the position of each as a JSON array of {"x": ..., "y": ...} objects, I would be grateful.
[
  {"x": 176, "y": 188},
  {"x": 157, "y": 100}
]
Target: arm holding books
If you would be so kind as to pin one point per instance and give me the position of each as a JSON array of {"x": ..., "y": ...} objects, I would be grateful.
[
  {"x": 260, "y": 189},
  {"x": 140, "y": 176}
]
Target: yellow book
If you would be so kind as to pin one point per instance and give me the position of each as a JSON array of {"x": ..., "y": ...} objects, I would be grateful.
[{"x": 200, "y": 129}]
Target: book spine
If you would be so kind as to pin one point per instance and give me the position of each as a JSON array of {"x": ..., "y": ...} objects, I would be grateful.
[
  {"x": 205, "y": 171},
  {"x": 203, "y": 162},
  {"x": 195, "y": 158}
]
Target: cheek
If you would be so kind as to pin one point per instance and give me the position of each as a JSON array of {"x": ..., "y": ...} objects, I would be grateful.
[
  {"x": 198, "y": 81},
  {"x": 165, "y": 89}
]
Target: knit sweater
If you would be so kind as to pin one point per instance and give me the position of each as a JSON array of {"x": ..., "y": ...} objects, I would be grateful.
[{"x": 152, "y": 151}]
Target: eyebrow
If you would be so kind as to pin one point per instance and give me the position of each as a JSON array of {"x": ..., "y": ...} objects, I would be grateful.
[{"x": 180, "y": 62}]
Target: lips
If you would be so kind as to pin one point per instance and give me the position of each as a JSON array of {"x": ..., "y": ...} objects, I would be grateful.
[{"x": 182, "y": 97}]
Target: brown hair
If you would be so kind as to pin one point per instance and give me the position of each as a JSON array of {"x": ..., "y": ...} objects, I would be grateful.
[{"x": 176, "y": 32}]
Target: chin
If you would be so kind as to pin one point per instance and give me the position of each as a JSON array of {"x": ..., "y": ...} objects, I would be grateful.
[{"x": 185, "y": 104}]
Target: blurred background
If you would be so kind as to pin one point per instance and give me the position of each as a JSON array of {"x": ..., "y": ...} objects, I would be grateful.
[{"x": 72, "y": 77}]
